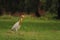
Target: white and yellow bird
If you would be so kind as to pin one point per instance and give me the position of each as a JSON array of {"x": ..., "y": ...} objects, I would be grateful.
[{"x": 17, "y": 25}]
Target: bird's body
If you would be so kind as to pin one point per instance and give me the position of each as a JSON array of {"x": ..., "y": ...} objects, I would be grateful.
[{"x": 17, "y": 25}]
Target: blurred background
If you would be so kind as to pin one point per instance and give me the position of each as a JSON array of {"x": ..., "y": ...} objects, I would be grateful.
[
  {"x": 40, "y": 22},
  {"x": 35, "y": 8}
]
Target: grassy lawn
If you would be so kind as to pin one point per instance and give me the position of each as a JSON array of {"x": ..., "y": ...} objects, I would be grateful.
[{"x": 31, "y": 29}]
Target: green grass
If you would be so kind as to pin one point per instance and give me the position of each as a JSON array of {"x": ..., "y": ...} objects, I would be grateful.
[{"x": 32, "y": 29}]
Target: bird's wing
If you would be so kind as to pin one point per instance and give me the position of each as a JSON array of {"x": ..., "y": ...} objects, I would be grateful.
[{"x": 15, "y": 25}]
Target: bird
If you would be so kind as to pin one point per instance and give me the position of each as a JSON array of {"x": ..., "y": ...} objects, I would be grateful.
[{"x": 17, "y": 25}]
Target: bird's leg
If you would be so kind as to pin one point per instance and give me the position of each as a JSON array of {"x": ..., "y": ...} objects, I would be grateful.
[
  {"x": 12, "y": 29},
  {"x": 16, "y": 29}
]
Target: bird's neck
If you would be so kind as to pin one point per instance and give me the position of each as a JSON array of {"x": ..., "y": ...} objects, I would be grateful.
[{"x": 20, "y": 20}]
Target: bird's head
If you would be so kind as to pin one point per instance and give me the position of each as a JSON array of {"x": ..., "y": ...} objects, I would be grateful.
[
  {"x": 21, "y": 19},
  {"x": 22, "y": 16}
]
